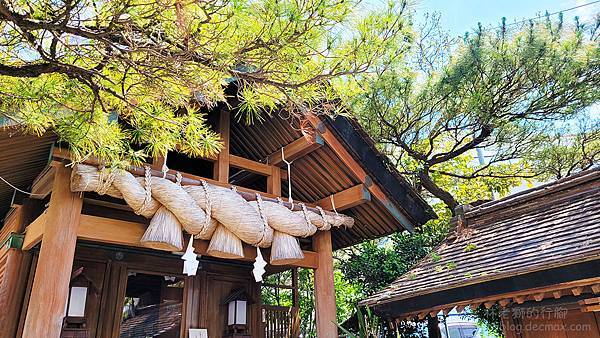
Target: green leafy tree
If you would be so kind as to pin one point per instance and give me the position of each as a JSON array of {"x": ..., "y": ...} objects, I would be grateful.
[
  {"x": 375, "y": 264},
  {"x": 568, "y": 150},
  {"x": 497, "y": 90},
  {"x": 76, "y": 67},
  {"x": 470, "y": 119}
]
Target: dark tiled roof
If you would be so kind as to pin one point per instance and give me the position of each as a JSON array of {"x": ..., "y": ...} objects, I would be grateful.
[
  {"x": 153, "y": 321},
  {"x": 553, "y": 225}
]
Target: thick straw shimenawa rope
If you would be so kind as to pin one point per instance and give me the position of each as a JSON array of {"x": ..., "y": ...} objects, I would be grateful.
[{"x": 201, "y": 209}]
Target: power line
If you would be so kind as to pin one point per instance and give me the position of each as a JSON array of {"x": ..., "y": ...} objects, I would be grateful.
[{"x": 545, "y": 15}]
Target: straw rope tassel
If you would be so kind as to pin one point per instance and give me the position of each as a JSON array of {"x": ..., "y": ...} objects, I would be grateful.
[{"x": 164, "y": 231}]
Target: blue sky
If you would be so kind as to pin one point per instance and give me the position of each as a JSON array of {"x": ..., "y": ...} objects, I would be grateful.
[{"x": 459, "y": 16}]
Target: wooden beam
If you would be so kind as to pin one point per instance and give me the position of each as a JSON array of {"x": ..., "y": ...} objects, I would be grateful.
[
  {"x": 118, "y": 232},
  {"x": 577, "y": 291},
  {"x": 250, "y": 165},
  {"x": 221, "y": 165},
  {"x": 359, "y": 172},
  {"x": 325, "y": 308},
  {"x": 596, "y": 288},
  {"x": 538, "y": 296},
  {"x": 158, "y": 162},
  {"x": 522, "y": 295},
  {"x": 34, "y": 232},
  {"x": 297, "y": 149},
  {"x": 42, "y": 185},
  {"x": 557, "y": 294},
  {"x": 346, "y": 199},
  {"x": 50, "y": 289}
]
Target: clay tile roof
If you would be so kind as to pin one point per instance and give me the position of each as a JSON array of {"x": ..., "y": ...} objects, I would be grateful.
[{"x": 549, "y": 226}]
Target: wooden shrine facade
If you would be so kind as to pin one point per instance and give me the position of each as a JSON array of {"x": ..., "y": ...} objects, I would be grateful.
[
  {"x": 57, "y": 243},
  {"x": 535, "y": 255}
]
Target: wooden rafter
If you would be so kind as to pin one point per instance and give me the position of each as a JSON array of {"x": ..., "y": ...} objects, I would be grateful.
[
  {"x": 360, "y": 173},
  {"x": 590, "y": 304},
  {"x": 297, "y": 149},
  {"x": 346, "y": 199},
  {"x": 504, "y": 302}
]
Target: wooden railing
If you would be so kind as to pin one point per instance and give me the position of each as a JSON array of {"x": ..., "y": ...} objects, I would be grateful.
[{"x": 280, "y": 321}]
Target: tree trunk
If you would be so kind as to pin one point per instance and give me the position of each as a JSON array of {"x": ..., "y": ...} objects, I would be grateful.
[{"x": 436, "y": 191}]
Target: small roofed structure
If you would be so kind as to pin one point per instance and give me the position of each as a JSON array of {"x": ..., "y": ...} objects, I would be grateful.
[
  {"x": 536, "y": 254},
  {"x": 117, "y": 226}
]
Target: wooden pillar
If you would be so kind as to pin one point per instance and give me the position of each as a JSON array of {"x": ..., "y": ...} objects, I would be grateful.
[
  {"x": 295, "y": 291},
  {"x": 433, "y": 327},
  {"x": 48, "y": 300},
  {"x": 274, "y": 181},
  {"x": 12, "y": 290},
  {"x": 221, "y": 165},
  {"x": 325, "y": 307}
]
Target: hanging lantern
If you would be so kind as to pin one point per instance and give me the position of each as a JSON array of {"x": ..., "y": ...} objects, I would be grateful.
[
  {"x": 74, "y": 323},
  {"x": 237, "y": 309}
]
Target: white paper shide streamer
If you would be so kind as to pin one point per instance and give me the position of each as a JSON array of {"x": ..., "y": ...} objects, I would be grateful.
[
  {"x": 190, "y": 263},
  {"x": 259, "y": 266}
]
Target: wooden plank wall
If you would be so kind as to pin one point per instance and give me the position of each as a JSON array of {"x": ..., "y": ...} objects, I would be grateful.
[{"x": 203, "y": 293}]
